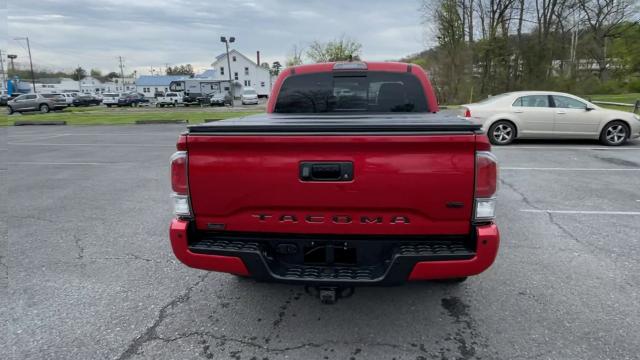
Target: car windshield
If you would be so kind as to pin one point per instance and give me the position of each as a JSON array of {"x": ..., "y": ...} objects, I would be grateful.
[
  {"x": 250, "y": 92},
  {"x": 110, "y": 95},
  {"x": 376, "y": 92}
]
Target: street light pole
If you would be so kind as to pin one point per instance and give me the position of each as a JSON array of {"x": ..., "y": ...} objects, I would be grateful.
[
  {"x": 231, "y": 85},
  {"x": 33, "y": 77}
]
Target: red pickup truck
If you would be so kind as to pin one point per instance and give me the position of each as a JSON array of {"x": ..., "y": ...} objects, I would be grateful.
[{"x": 350, "y": 178}]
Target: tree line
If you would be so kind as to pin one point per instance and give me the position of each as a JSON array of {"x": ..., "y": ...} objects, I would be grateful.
[{"x": 485, "y": 47}]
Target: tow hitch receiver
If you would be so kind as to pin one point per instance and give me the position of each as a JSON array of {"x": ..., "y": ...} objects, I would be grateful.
[{"x": 329, "y": 295}]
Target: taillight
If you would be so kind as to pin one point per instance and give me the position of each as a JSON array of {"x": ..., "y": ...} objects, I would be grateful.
[
  {"x": 180, "y": 184},
  {"x": 467, "y": 113},
  {"x": 486, "y": 186}
]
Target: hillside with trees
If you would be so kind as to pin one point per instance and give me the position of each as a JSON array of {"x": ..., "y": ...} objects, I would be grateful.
[{"x": 486, "y": 47}]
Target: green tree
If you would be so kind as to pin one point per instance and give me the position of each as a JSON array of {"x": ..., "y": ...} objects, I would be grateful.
[
  {"x": 181, "y": 70},
  {"x": 78, "y": 74},
  {"x": 275, "y": 68},
  {"x": 341, "y": 49}
]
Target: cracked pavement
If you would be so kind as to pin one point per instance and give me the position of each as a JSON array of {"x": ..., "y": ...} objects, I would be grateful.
[{"x": 89, "y": 273}]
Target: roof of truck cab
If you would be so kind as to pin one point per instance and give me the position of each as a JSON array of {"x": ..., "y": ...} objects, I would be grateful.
[
  {"x": 339, "y": 123},
  {"x": 371, "y": 66}
]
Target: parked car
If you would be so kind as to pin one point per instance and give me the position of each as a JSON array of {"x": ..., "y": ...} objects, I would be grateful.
[
  {"x": 60, "y": 102},
  {"x": 375, "y": 188},
  {"x": 169, "y": 99},
  {"x": 249, "y": 96},
  {"x": 36, "y": 102},
  {"x": 86, "y": 100},
  {"x": 68, "y": 97},
  {"x": 131, "y": 99},
  {"x": 550, "y": 115},
  {"x": 110, "y": 99},
  {"x": 221, "y": 99}
]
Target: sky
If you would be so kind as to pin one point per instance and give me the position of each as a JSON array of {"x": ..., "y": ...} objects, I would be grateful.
[{"x": 92, "y": 34}]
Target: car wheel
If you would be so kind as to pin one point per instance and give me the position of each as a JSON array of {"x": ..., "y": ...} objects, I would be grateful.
[
  {"x": 615, "y": 133},
  {"x": 10, "y": 109},
  {"x": 502, "y": 133},
  {"x": 44, "y": 108}
]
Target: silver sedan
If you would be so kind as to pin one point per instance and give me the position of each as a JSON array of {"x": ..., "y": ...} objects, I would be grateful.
[{"x": 550, "y": 115}]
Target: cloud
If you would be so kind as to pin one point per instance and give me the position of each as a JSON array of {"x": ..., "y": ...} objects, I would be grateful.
[{"x": 93, "y": 33}]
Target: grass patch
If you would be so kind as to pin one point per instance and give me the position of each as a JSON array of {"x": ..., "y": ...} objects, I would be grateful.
[
  {"x": 622, "y": 98},
  {"x": 100, "y": 116}
]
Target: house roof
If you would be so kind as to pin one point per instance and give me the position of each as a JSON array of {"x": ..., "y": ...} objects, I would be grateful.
[
  {"x": 153, "y": 80},
  {"x": 48, "y": 80},
  {"x": 209, "y": 73},
  {"x": 234, "y": 52}
]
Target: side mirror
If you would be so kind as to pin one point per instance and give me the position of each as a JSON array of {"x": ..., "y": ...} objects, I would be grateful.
[{"x": 589, "y": 108}]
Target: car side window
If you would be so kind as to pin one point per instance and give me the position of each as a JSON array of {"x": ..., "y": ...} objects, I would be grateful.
[
  {"x": 21, "y": 97},
  {"x": 532, "y": 101},
  {"x": 31, "y": 97},
  {"x": 568, "y": 103}
]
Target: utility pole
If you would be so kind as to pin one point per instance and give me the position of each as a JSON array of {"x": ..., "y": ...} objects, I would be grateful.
[
  {"x": 33, "y": 77},
  {"x": 4, "y": 77},
  {"x": 231, "y": 84},
  {"x": 121, "y": 72}
]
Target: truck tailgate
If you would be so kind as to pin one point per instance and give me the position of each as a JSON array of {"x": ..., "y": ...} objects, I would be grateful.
[{"x": 400, "y": 184}]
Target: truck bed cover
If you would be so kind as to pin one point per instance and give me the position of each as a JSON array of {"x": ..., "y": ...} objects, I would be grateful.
[{"x": 338, "y": 123}]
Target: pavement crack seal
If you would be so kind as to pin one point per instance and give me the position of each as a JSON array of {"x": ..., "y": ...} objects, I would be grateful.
[
  {"x": 266, "y": 348},
  {"x": 151, "y": 333},
  {"x": 5, "y": 273},
  {"x": 566, "y": 231},
  {"x": 520, "y": 193},
  {"x": 78, "y": 242}
]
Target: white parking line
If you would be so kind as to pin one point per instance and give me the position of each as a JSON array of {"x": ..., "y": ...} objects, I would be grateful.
[
  {"x": 94, "y": 145},
  {"x": 567, "y": 148},
  {"x": 40, "y": 137},
  {"x": 580, "y": 212},
  {"x": 566, "y": 169},
  {"x": 66, "y": 163}
]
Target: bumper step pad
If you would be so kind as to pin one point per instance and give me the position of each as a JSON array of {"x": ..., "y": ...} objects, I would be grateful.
[{"x": 393, "y": 270}]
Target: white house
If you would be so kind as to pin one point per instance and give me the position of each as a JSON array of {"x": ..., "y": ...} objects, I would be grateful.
[
  {"x": 56, "y": 85},
  {"x": 91, "y": 85},
  {"x": 244, "y": 71}
]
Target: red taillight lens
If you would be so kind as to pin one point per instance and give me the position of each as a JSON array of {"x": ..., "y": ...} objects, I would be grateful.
[
  {"x": 467, "y": 113},
  {"x": 486, "y": 175},
  {"x": 179, "y": 180}
]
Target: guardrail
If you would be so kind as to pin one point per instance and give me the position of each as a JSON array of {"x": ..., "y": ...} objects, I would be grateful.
[{"x": 636, "y": 106}]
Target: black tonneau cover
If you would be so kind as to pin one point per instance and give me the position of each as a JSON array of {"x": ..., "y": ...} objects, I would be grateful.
[{"x": 339, "y": 123}]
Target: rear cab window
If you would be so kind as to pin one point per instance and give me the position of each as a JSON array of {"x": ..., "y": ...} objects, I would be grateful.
[{"x": 351, "y": 92}]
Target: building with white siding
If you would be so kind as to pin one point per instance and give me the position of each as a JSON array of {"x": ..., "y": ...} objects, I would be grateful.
[{"x": 244, "y": 71}]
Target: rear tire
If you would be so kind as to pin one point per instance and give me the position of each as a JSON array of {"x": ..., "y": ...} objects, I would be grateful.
[
  {"x": 44, "y": 108},
  {"x": 502, "y": 133},
  {"x": 614, "y": 133}
]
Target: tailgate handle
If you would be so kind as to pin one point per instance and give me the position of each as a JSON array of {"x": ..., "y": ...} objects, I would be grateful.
[{"x": 326, "y": 171}]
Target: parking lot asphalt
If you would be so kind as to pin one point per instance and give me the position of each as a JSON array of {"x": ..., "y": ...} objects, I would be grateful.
[{"x": 89, "y": 273}]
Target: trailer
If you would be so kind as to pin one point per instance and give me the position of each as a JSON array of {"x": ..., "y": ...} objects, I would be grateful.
[{"x": 199, "y": 91}]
